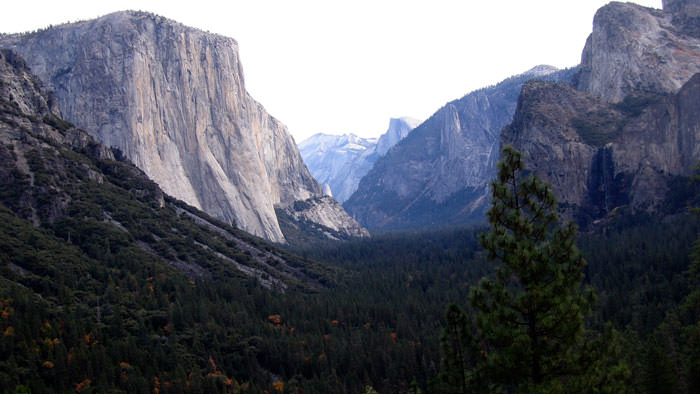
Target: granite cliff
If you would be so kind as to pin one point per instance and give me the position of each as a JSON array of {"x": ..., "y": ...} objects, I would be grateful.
[
  {"x": 634, "y": 49},
  {"x": 97, "y": 208},
  {"x": 173, "y": 99},
  {"x": 440, "y": 173},
  {"x": 631, "y": 129}
]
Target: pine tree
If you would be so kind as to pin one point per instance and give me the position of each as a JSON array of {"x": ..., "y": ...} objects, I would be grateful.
[{"x": 529, "y": 319}]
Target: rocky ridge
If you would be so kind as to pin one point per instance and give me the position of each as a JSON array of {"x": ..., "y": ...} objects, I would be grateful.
[
  {"x": 439, "y": 174},
  {"x": 173, "y": 99}
]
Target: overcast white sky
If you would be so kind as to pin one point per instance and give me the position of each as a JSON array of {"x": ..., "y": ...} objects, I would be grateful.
[{"x": 348, "y": 66}]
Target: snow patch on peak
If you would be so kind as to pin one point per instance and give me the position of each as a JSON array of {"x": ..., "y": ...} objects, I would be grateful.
[{"x": 541, "y": 70}]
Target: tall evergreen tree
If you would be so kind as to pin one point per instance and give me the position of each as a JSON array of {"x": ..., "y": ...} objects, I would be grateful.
[{"x": 529, "y": 319}]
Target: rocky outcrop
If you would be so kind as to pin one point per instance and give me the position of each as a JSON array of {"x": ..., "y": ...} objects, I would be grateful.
[
  {"x": 600, "y": 156},
  {"x": 313, "y": 217},
  {"x": 633, "y": 127},
  {"x": 439, "y": 174},
  {"x": 173, "y": 99},
  {"x": 399, "y": 128},
  {"x": 642, "y": 50},
  {"x": 340, "y": 161}
]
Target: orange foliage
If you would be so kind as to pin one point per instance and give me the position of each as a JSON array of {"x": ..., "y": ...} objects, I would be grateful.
[
  {"x": 367, "y": 325},
  {"x": 156, "y": 385},
  {"x": 334, "y": 322},
  {"x": 7, "y": 309},
  {"x": 275, "y": 320},
  {"x": 279, "y": 386},
  {"x": 394, "y": 336},
  {"x": 85, "y": 384},
  {"x": 9, "y": 331},
  {"x": 87, "y": 339},
  {"x": 48, "y": 364}
]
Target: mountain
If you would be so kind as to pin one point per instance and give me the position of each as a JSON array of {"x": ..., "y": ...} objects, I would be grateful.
[
  {"x": 57, "y": 177},
  {"x": 340, "y": 161},
  {"x": 96, "y": 259},
  {"x": 439, "y": 174},
  {"x": 173, "y": 99},
  {"x": 630, "y": 133},
  {"x": 333, "y": 161}
]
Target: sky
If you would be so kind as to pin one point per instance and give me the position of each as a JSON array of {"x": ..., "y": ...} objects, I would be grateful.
[{"x": 349, "y": 66}]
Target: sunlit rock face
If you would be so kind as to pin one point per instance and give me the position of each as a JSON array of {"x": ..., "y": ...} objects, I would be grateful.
[{"x": 173, "y": 99}]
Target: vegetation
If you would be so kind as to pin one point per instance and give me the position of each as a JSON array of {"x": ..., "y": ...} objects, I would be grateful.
[
  {"x": 106, "y": 285},
  {"x": 526, "y": 331}
]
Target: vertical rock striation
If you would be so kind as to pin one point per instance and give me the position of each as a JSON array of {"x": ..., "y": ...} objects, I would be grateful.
[{"x": 173, "y": 99}]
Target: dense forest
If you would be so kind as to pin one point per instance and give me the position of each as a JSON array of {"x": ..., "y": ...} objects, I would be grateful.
[
  {"x": 108, "y": 285},
  {"x": 106, "y": 320},
  {"x": 84, "y": 309}
]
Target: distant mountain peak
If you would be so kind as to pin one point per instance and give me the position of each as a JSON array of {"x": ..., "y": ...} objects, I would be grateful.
[
  {"x": 541, "y": 70},
  {"x": 340, "y": 161}
]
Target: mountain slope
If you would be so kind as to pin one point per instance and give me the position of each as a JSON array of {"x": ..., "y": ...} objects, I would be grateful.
[
  {"x": 340, "y": 161},
  {"x": 108, "y": 284},
  {"x": 173, "y": 99},
  {"x": 439, "y": 174},
  {"x": 631, "y": 131}
]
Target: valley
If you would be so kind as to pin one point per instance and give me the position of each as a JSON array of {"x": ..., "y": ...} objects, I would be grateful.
[{"x": 160, "y": 232}]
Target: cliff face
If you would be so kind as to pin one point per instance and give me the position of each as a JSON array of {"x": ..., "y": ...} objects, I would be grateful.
[
  {"x": 633, "y": 127},
  {"x": 173, "y": 99},
  {"x": 642, "y": 50},
  {"x": 440, "y": 173},
  {"x": 94, "y": 207}
]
